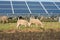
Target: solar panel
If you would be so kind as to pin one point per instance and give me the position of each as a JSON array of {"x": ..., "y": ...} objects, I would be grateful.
[
  {"x": 18, "y": 2},
  {"x": 21, "y": 11},
  {"x": 58, "y": 3},
  {"x": 5, "y": 8},
  {"x": 38, "y": 11},
  {"x": 51, "y": 7},
  {"x": 48, "y": 3},
  {"x": 59, "y": 6},
  {"x": 5, "y": 11},
  {"x": 35, "y": 7},
  {"x": 20, "y": 7},
  {"x": 4, "y": 2},
  {"x": 29, "y": 2},
  {"x": 23, "y": 8},
  {"x": 54, "y": 11}
]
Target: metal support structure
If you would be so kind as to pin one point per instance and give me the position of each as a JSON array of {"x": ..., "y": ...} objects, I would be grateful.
[
  {"x": 44, "y": 8},
  {"x": 12, "y": 6},
  {"x": 28, "y": 8},
  {"x": 56, "y": 5}
]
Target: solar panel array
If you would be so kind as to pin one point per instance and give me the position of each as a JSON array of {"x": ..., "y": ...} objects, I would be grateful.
[
  {"x": 5, "y": 7},
  {"x": 51, "y": 8},
  {"x": 29, "y": 7}
]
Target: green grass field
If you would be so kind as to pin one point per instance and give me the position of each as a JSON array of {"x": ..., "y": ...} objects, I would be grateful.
[{"x": 12, "y": 26}]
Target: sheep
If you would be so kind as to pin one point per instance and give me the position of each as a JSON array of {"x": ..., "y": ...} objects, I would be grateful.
[
  {"x": 4, "y": 19},
  {"x": 36, "y": 22},
  {"x": 22, "y": 22}
]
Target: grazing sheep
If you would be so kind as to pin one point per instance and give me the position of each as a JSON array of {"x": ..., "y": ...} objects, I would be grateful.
[
  {"x": 22, "y": 22},
  {"x": 36, "y": 22},
  {"x": 4, "y": 19}
]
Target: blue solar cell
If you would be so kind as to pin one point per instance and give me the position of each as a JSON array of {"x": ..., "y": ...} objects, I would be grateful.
[
  {"x": 54, "y": 11},
  {"x": 35, "y": 7},
  {"x": 18, "y": 2},
  {"x": 22, "y": 14},
  {"x": 18, "y": 6},
  {"x": 58, "y": 3},
  {"x": 51, "y": 7},
  {"x": 5, "y": 11},
  {"x": 21, "y": 11},
  {"x": 39, "y": 14},
  {"x": 33, "y": 2},
  {"x": 38, "y": 11},
  {"x": 2, "y": 14},
  {"x": 5, "y": 6},
  {"x": 59, "y": 6},
  {"x": 4, "y": 2},
  {"x": 21, "y": 7},
  {"x": 47, "y": 3}
]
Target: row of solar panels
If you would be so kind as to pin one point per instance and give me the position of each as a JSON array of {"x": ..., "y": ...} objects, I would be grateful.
[{"x": 22, "y": 7}]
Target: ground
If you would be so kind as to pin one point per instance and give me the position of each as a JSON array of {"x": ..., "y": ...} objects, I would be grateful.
[{"x": 9, "y": 31}]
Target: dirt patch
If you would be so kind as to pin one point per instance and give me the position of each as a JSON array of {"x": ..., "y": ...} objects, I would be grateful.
[
  {"x": 35, "y": 35},
  {"x": 30, "y": 30}
]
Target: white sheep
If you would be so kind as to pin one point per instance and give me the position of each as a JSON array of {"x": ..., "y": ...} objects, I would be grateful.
[
  {"x": 4, "y": 19},
  {"x": 22, "y": 22},
  {"x": 36, "y": 22}
]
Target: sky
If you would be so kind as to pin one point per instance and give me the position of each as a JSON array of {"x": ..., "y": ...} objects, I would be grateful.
[{"x": 32, "y": 0}]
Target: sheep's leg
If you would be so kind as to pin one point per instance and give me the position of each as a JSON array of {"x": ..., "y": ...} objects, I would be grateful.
[
  {"x": 29, "y": 24},
  {"x": 17, "y": 25},
  {"x": 7, "y": 21},
  {"x": 25, "y": 25},
  {"x": 3, "y": 21},
  {"x": 36, "y": 25},
  {"x": 41, "y": 25},
  {"x": 0, "y": 21}
]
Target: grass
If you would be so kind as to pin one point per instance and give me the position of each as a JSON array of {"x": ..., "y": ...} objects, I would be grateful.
[
  {"x": 7, "y": 26},
  {"x": 53, "y": 25},
  {"x": 47, "y": 25}
]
